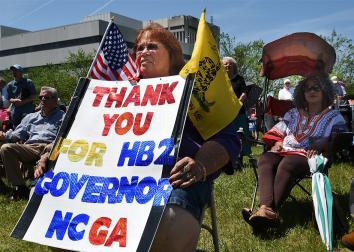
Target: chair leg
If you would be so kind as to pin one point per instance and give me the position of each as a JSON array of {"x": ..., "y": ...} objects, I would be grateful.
[
  {"x": 253, "y": 163},
  {"x": 213, "y": 229},
  {"x": 303, "y": 188},
  {"x": 213, "y": 222}
]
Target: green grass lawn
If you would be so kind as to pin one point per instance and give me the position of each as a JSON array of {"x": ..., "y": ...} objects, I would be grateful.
[{"x": 232, "y": 193}]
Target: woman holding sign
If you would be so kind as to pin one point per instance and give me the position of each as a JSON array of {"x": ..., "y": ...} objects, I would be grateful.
[{"x": 159, "y": 54}]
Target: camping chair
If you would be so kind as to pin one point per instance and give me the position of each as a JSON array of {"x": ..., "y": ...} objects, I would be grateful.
[
  {"x": 274, "y": 109},
  {"x": 339, "y": 142},
  {"x": 212, "y": 227},
  {"x": 296, "y": 54}
]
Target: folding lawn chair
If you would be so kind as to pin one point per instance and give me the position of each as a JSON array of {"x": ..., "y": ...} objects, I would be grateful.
[
  {"x": 295, "y": 54},
  {"x": 212, "y": 227}
]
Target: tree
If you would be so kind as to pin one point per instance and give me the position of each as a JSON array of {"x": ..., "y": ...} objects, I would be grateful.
[
  {"x": 344, "y": 67},
  {"x": 247, "y": 56},
  {"x": 63, "y": 77},
  {"x": 78, "y": 64}
]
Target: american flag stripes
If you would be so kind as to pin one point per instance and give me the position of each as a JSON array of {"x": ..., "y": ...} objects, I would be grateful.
[{"x": 113, "y": 60}]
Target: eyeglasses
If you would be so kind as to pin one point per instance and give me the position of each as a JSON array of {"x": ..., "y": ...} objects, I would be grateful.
[
  {"x": 315, "y": 88},
  {"x": 149, "y": 46},
  {"x": 43, "y": 97}
]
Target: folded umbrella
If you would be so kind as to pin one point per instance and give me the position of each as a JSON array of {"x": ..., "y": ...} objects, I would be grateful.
[{"x": 322, "y": 199}]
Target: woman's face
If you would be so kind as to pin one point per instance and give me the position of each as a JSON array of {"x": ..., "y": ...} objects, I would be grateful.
[
  {"x": 152, "y": 57},
  {"x": 229, "y": 67},
  {"x": 313, "y": 92}
]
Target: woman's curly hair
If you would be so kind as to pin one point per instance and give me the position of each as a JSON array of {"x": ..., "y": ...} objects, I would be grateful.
[{"x": 326, "y": 86}]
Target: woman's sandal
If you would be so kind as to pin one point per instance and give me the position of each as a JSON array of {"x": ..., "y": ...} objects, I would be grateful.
[
  {"x": 246, "y": 214},
  {"x": 264, "y": 218}
]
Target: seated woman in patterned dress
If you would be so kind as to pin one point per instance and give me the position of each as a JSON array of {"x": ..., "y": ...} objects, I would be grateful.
[{"x": 304, "y": 131}]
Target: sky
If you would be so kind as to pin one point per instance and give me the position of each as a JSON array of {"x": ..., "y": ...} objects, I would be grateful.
[{"x": 245, "y": 20}]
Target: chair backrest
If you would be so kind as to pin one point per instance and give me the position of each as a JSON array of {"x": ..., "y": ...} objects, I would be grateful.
[
  {"x": 253, "y": 94},
  {"x": 277, "y": 107}
]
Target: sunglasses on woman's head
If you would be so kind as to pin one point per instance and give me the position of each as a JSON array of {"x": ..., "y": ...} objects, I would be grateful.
[
  {"x": 315, "y": 88},
  {"x": 149, "y": 46}
]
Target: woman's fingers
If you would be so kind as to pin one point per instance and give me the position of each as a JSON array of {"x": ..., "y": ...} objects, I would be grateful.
[
  {"x": 184, "y": 173},
  {"x": 38, "y": 172},
  {"x": 189, "y": 182},
  {"x": 179, "y": 165}
]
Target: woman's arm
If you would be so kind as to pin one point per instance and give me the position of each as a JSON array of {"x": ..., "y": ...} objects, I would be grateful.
[{"x": 211, "y": 157}]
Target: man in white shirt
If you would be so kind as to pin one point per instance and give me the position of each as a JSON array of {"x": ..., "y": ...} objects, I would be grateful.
[{"x": 287, "y": 92}]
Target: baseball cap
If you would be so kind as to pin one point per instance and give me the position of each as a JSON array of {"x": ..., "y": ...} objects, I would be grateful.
[
  {"x": 16, "y": 67},
  {"x": 286, "y": 81},
  {"x": 334, "y": 79}
]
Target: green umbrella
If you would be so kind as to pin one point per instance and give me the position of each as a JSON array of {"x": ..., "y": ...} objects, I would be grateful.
[{"x": 322, "y": 199}]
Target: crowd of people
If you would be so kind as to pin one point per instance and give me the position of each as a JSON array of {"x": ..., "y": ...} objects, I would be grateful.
[{"x": 303, "y": 131}]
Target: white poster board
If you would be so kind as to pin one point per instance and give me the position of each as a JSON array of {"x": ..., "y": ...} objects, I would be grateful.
[{"x": 107, "y": 177}]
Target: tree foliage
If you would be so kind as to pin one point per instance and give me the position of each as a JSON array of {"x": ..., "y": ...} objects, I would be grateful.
[
  {"x": 344, "y": 67},
  {"x": 78, "y": 64},
  {"x": 247, "y": 56},
  {"x": 63, "y": 77}
]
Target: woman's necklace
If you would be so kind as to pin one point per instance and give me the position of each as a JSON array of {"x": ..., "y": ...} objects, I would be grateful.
[{"x": 312, "y": 113}]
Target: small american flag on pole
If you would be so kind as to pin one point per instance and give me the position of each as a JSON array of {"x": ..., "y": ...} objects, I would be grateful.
[{"x": 113, "y": 60}]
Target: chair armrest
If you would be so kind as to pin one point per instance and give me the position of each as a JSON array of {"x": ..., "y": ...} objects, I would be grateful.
[{"x": 339, "y": 142}]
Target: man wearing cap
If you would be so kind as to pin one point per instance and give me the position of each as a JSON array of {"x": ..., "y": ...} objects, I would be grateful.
[
  {"x": 287, "y": 92},
  {"x": 21, "y": 93}
]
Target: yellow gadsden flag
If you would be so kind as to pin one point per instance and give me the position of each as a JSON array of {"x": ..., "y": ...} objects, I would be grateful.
[{"x": 213, "y": 104}]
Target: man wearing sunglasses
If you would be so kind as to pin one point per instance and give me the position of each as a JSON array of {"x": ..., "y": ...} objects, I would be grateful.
[{"x": 30, "y": 139}]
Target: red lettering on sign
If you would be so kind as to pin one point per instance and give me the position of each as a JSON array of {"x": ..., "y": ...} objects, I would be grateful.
[
  {"x": 133, "y": 97},
  {"x": 119, "y": 234},
  {"x": 116, "y": 97},
  {"x": 96, "y": 236},
  {"x": 166, "y": 93},
  {"x": 138, "y": 130},
  {"x": 100, "y": 92},
  {"x": 108, "y": 121},
  {"x": 151, "y": 95},
  {"x": 121, "y": 129}
]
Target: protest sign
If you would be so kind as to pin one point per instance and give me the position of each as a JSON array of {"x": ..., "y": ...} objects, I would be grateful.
[{"x": 108, "y": 181}]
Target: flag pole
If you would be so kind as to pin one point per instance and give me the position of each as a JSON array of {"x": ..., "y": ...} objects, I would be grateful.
[{"x": 99, "y": 48}]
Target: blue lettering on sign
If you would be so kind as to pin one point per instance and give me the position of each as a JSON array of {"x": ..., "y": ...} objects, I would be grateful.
[
  {"x": 104, "y": 189},
  {"x": 76, "y": 185},
  {"x": 163, "y": 192},
  {"x": 73, "y": 233},
  {"x": 59, "y": 225},
  {"x": 127, "y": 189},
  {"x": 130, "y": 154},
  {"x": 110, "y": 187},
  {"x": 43, "y": 184},
  {"x": 145, "y": 154},
  {"x": 146, "y": 184},
  {"x": 142, "y": 153},
  {"x": 94, "y": 186},
  {"x": 165, "y": 158},
  {"x": 62, "y": 180}
]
